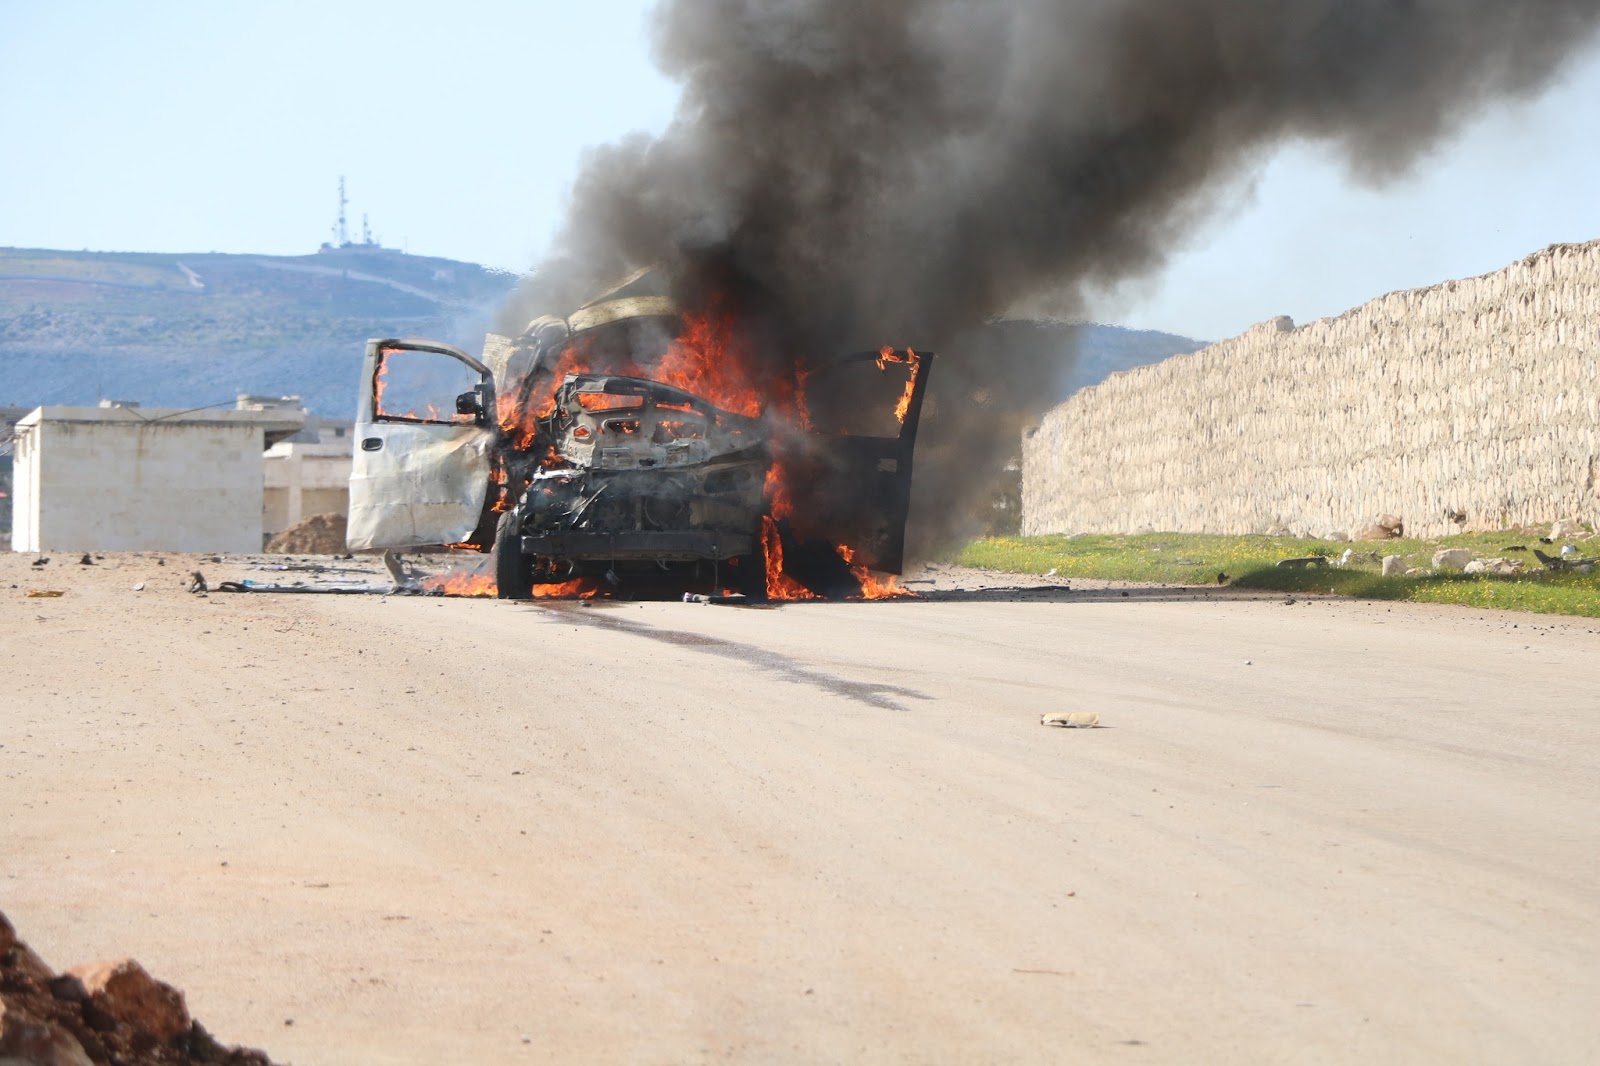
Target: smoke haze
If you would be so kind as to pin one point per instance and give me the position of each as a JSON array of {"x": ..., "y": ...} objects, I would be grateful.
[{"x": 852, "y": 173}]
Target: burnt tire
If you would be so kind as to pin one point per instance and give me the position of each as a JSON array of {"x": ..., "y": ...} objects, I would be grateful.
[{"x": 513, "y": 571}]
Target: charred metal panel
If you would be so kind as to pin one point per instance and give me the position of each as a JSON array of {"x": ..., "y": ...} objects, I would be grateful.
[
  {"x": 644, "y": 470},
  {"x": 858, "y": 488},
  {"x": 618, "y": 423},
  {"x": 675, "y": 545}
]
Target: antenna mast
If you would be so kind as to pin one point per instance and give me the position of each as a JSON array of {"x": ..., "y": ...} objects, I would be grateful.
[{"x": 341, "y": 231}]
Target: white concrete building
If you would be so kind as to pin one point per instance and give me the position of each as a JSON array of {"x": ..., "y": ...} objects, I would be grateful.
[
  {"x": 122, "y": 478},
  {"x": 307, "y": 477}
]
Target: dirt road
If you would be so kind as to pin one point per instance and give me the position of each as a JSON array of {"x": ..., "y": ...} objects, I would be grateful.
[{"x": 407, "y": 830}]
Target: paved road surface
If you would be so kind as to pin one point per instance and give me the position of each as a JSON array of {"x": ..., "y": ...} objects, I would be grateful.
[{"x": 465, "y": 831}]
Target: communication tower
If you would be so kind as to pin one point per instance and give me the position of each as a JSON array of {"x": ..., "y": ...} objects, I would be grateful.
[{"x": 341, "y": 232}]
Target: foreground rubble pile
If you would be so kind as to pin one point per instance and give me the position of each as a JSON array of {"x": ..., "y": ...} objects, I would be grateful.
[
  {"x": 321, "y": 534},
  {"x": 103, "y": 1014}
]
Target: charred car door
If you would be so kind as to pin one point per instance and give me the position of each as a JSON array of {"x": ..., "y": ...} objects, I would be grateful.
[
  {"x": 424, "y": 436},
  {"x": 865, "y": 408}
]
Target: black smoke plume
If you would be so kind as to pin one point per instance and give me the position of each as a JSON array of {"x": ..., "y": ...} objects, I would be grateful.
[{"x": 852, "y": 173}]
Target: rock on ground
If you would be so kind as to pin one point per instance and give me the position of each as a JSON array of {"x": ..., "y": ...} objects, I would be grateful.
[
  {"x": 1384, "y": 527},
  {"x": 98, "y": 1015},
  {"x": 1565, "y": 527}
]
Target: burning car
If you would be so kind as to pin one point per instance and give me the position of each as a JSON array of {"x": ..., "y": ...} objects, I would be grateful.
[{"x": 631, "y": 446}]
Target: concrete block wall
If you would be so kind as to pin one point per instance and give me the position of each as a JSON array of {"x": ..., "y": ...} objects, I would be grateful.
[
  {"x": 118, "y": 479},
  {"x": 1478, "y": 397}
]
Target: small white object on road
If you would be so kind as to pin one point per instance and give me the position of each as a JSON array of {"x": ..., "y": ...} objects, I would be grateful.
[{"x": 1072, "y": 719}]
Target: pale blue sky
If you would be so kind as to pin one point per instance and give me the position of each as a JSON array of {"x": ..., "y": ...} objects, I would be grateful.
[{"x": 175, "y": 125}]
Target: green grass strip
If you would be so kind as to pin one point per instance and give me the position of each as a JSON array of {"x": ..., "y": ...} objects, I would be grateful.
[{"x": 1251, "y": 562}]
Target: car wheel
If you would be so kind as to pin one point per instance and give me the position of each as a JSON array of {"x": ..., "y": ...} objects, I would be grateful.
[{"x": 513, "y": 571}]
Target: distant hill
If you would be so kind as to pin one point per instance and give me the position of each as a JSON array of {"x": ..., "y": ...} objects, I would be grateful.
[{"x": 196, "y": 329}]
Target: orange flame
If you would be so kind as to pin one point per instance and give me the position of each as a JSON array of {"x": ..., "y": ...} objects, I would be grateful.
[
  {"x": 460, "y": 583},
  {"x": 521, "y": 424},
  {"x": 707, "y": 361},
  {"x": 780, "y": 586},
  {"x": 379, "y": 383},
  {"x": 577, "y": 589},
  {"x": 874, "y": 586},
  {"x": 467, "y": 583},
  {"x": 887, "y": 355}
]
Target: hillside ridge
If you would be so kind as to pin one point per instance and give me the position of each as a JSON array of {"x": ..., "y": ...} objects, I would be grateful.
[{"x": 184, "y": 329}]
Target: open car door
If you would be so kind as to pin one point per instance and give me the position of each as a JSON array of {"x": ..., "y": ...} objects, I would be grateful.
[
  {"x": 424, "y": 432},
  {"x": 865, "y": 408}
]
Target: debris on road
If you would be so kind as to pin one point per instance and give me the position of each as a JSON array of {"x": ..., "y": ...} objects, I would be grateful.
[
  {"x": 404, "y": 577},
  {"x": 46, "y": 594},
  {"x": 1072, "y": 719},
  {"x": 197, "y": 582},
  {"x": 327, "y": 590}
]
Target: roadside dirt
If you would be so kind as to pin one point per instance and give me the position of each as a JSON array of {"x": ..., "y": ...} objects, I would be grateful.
[{"x": 380, "y": 829}]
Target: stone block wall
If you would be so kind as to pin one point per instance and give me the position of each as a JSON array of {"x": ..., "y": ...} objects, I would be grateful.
[{"x": 1470, "y": 405}]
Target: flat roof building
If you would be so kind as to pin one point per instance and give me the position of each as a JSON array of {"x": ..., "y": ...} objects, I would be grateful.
[{"x": 125, "y": 478}]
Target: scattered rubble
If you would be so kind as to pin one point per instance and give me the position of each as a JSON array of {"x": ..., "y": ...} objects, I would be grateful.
[
  {"x": 1394, "y": 565},
  {"x": 321, "y": 534},
  {"x": 103, "y": 1014},
  {"x": 1451, "y": 559},
  {"x": 1493, "y": 566},
  {"x": 1569, "y": 559}
]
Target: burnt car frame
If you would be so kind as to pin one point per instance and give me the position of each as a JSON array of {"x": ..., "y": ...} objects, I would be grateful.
[{"x": 617, "y": 478}]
